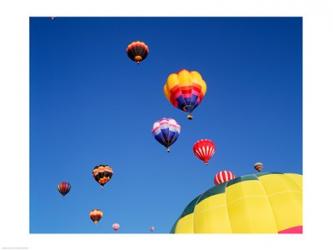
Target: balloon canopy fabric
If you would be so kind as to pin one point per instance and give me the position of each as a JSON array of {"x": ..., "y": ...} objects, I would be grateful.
[
  {"x": 204, "y": 149},
  {"x": 137, "y": 51},
  {"x": 256, "y": 203},
  {"x": 166, "y": 131},
  {"x": 223, "y": 176},
  {"x": 185, "y": 90},
  {"x": 64, "y": 187},
  {"x": 102, "y": 174},
  {"x": 96, "y": 215}
]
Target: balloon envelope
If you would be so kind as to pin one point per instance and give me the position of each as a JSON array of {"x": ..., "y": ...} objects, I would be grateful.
[
  {"x": 115, "y": 226},
  {"x": 96, "y": 215},
  {"x": 204, "y": 149},
  {"x": 137, "y": 51},
  {"x": 64, "y": 187},
  {"x": 223, "y": 176},
  {"x": 185, "y": 90},
  {"x": 256, "y": 203},
  {"x": 258, "y": 166},
  {"x": 166, "y": 131},
  {"x": 102, "y": 174}
]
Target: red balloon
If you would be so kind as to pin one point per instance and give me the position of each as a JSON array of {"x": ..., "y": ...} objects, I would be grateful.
[
  {"x": 223, "y": 176},
  {"x": 137, "y": 51},
  {"x": 64, "y": 187},
  {"x": 204, "y": 149}
]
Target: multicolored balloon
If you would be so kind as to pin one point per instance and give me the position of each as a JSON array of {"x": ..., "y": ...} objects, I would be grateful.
[
  {"x": 223, "y": 176},
  {"x": 204, "y": 149},
  {"x": 137, "y": 51},
  {"x": 115, "y": 226},
  {"x": 96, "y": 215},
  {"x": 166, "y": 131},
  {"x": 185, "y": 90},
  {"x": 258, "y": 166},
  {"x": 64, "y": 187},
  {"x": 102, "y": 174}
]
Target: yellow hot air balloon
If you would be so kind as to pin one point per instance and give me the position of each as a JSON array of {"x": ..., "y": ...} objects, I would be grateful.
[
  {"x": 185, "y": 90},
  {"x": 256, "y": 203}
]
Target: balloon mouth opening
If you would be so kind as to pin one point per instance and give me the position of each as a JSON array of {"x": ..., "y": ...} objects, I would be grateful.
[
  {"x": 95, "y": 222},
  {"x": 190, "y": 117},
  {"x": 206, "y": 162},
  {"x": 138, "y": 59}
]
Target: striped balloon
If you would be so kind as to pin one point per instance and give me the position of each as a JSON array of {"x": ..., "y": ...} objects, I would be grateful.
[
  {"x": 166, "y": 131},
  {"x": 64, "y": 187},
  {"x": 204, "y": 149},
  {"x": 223, "y": 176}
]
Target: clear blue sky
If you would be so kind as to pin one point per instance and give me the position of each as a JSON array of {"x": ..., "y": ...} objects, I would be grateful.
[{"x": 91, "y": 105}]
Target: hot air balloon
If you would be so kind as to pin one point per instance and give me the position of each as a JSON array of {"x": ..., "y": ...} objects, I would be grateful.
[
  {"x": 115, "y": 226},
  {"x": 223, "y": 176},
  {"x": 204, "y": 149},
  {"x": 137, "y": 51},
  {"x": 255, "y": 203},
  {"x": 152, "y": 229},
  {"x": 185, "y": 90},
  {"x": 258, "y": 166},
  {"x": 64, "y": 187},
  {"x": 96, "y": 215},
  {"x": 102, "y": 174},
  {"x": 166, "y": 131}
]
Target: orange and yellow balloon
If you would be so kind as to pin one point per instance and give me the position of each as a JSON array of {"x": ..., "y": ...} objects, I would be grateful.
[{"x": 185, "y": 90}]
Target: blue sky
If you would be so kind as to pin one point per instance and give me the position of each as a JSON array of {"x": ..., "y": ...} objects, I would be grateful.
[{"x": 91, "y": 105}]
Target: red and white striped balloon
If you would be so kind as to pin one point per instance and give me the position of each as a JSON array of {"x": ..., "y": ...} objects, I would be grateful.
[
  {"x": 223, "y": 176},
  {"x": 204, "y": 149}
]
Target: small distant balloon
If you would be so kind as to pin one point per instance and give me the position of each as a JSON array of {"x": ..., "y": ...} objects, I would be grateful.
[
  {"x": 258, "y": 166},
  {"x": 115, "y": 226},
  {"x": 152, "y": 229},
  {"x": 64, "y": 187},
  {"x": 102, "y": 174},
  {"x": 96, "y": 215},
  {"x": 223, "y": 176},
  {"x": 137, "y": 51}
]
